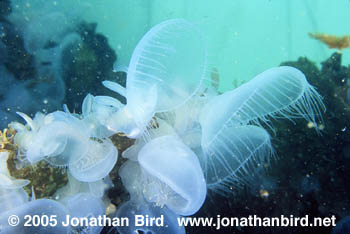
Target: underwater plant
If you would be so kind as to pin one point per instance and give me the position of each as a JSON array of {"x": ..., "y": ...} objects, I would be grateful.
[
  {"x": 332, "y": 41},
  {"x": 15, "y": 201},
  {"x": 343, "y": 226},
  {"x": 15, "y": 97},
  {"x": 3, "y": 49}
]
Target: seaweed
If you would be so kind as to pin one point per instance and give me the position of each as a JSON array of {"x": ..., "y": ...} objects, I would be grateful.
[
  {"x": 86, "y": 67},
  {"x": 19, "y": 62},
  {"x": 332, "y": 41}
]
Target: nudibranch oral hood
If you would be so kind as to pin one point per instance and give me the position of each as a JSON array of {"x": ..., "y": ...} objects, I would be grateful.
[{"x": 166, "y": 69}]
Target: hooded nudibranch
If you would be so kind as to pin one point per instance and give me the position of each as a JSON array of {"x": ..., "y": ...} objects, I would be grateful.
[{"x": 166, "y": 69}]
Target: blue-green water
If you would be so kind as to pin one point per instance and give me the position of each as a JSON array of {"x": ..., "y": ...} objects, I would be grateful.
[{"x": 244, "y": 37}]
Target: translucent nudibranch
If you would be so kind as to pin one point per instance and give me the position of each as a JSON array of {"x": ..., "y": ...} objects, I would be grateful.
[
  {"x": 229, "y": 142},
  {"x": 165, "y": 71},
  {"x": 65, "y": 140},
  {"x": 187, "y": 139},
  {"x": 166, "y": 177},
  {"x": 172, "y": 175},
  {"x": 36, "y": 207},
  {"x": 142, "y": 208}
]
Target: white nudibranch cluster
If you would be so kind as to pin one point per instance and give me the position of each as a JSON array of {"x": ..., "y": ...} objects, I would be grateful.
[{"x": 188, "y": 136}]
